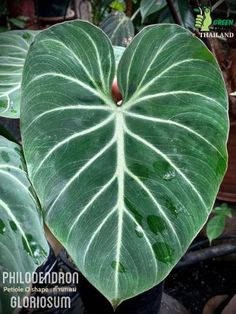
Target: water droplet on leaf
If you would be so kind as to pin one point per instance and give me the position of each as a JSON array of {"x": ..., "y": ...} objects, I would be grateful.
[
  {"x": 137, "y": 215},
  {"x": 169, "y": 175},
  {"x": 33, "y": 249},
  {"x": 139, "y": 231},
  {"x": 180, "y": 209},
  {"x": 163, "y": 252},
  {"x": 13, "y": 225},
  {"x": 5, "y": 157},
  {"x": 156, "y": 224},
  {"x": 26, "y": 36},
  {"x": 118, "y": 266},
  {"x": 168, "y": 204},
  {"x": 2, "y": 227}
]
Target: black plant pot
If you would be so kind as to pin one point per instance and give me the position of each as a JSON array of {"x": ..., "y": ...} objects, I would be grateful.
[
  {"x": 51, "y": 8},
  {"x": 94, "y": 302}
]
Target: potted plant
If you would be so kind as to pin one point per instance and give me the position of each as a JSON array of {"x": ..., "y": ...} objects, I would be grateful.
[{"x": 125, "y": 187}]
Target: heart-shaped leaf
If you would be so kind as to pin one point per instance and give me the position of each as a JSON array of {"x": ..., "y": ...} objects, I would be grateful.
[
  {"x": 23, "y": 246},
  {"x": 14, "y": 46},
  {"x": 125, "y": 189}
]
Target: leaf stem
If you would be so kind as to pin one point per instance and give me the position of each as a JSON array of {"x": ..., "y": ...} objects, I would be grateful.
[
  {"x": 216, "y": 5},
  {"x": 174, "y": 12},
  {"x": 135, "y": 14},
  {"x": 128, "y": 10}
]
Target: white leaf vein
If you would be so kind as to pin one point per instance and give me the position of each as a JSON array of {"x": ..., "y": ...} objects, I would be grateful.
[
  {"x": 171, "y": 122},
  {"x": 166, "y": 158},
  {"x": 70, "y": 138}
]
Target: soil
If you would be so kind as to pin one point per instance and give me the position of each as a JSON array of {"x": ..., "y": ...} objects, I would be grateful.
[{"x": 194, "y": 285}]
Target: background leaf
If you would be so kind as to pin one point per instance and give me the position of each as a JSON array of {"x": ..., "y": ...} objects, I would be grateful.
[
  {"x": 119, "y": 28},
  {"x": 125, "y": 189},
  {"x": 183, "y": 9},
  {"x": 23, "y": 246},
  {"x": 223, "y": 210},
  {"x": 148, "y": 7},
  {"x": 118, "y": 5},
  {"x": 231, "y": 5},
  {"x": 19, "y": 21},
  {"x": 14, "y": 46},
  {"x": 215, "y": 227}
]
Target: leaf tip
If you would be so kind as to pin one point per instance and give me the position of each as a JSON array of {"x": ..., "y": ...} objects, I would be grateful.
[{"x": 115, "y": 303}]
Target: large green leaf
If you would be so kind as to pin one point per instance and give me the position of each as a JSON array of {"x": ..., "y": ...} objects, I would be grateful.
[
  {"x": 23, "y": 246},
  {"x": 14, "y": 46},
  {"x": 119, "y": 28},
  {"x": 125, "y": 189}
]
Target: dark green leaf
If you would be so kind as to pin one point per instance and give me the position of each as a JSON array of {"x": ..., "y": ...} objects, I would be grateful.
[
  {"x": 148, "y": 7},
  {"x": 23, "y": 246},
  {"x": 183, "y": 10},
  {"x": 103, "y": 172}
]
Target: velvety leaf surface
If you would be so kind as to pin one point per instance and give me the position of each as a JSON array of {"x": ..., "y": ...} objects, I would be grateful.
[
  {"x": 14, "y": 46},
  {"x": 23, "y": 246},
  {"x": 119, "y": 28},
  {"x": 125, "y": 189},
  {"x": 118, "y": 52}
]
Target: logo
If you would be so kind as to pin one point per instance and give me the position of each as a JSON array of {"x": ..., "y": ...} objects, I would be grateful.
[
  {"x": 203, "y": 20},
  {"x": 209, "y": 26}
]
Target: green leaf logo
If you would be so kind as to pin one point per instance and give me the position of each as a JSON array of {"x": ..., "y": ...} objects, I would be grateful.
[{"x": 203, "y": 20}]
